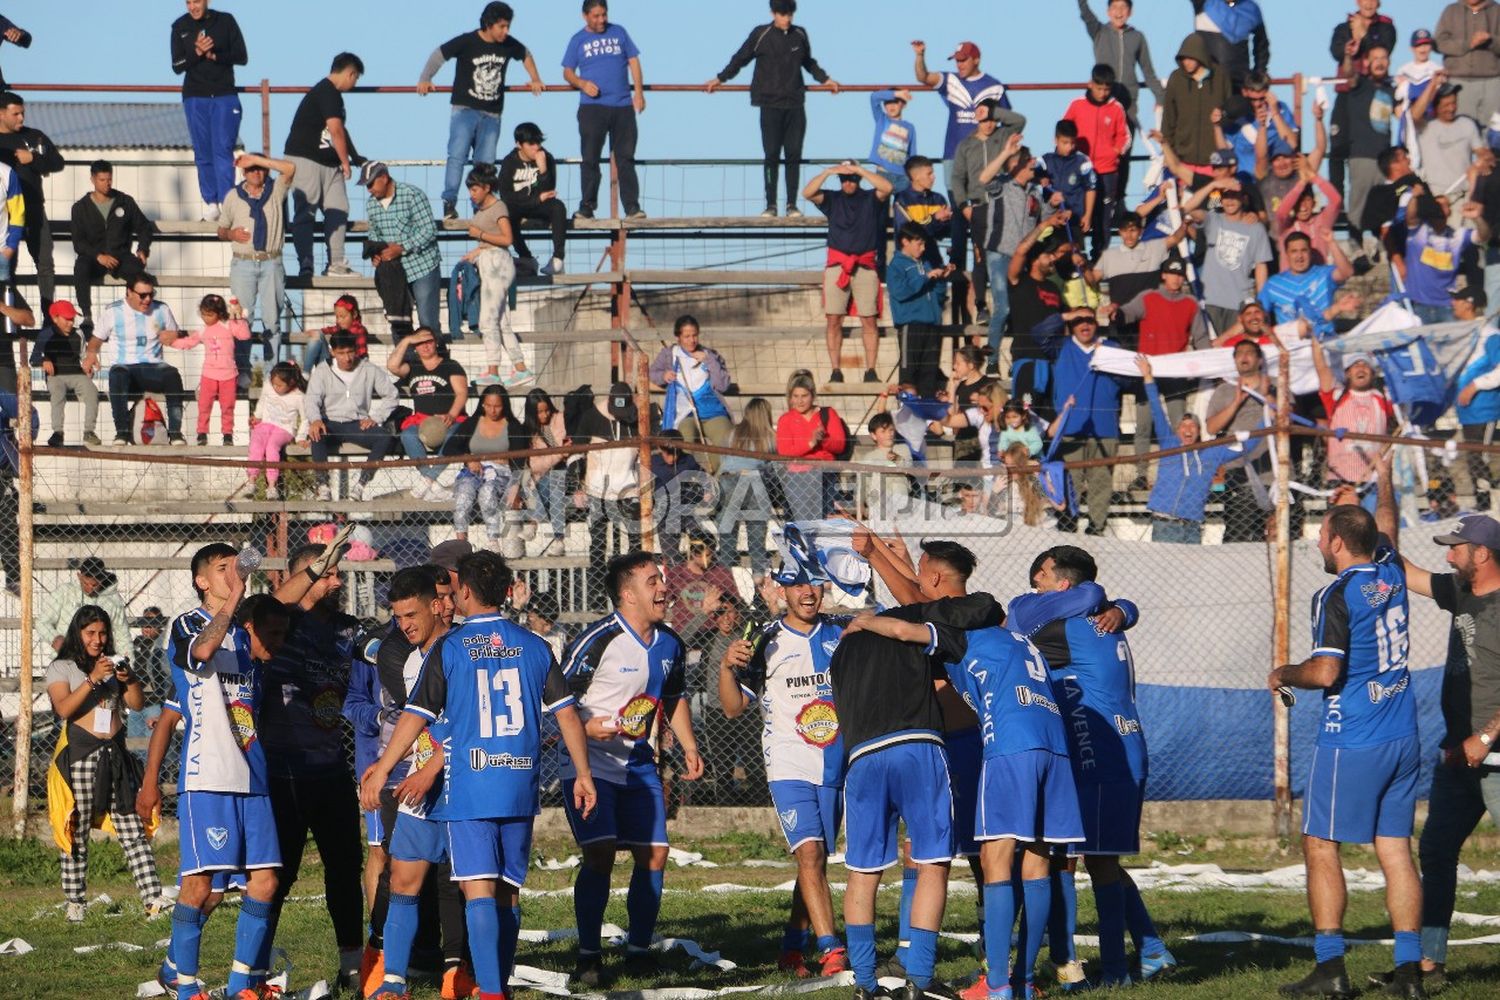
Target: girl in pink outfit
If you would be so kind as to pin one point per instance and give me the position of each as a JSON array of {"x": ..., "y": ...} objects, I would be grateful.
[
  {"x": 275, "y": 423},
  {"x": 222, "y": 326},
  {"x": 1298, "y": 213}
]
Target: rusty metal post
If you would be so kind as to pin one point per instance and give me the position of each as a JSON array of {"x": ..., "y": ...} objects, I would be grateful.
[
  {"x": 643, "y": 428},
  {"x": 265, "y": 116},
  {"x": 1281, "y": 639},
  {"x": 1299, "y": 90},
  {"x": 25, "y": 471}
]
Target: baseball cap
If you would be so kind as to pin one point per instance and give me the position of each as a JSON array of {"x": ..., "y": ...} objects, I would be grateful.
[
  {"x": 62, "y": 309},
  {"x": 1357, "y": 358},
  {"x": 1474, "y": 294},
  {"x": 1449, "y": 89},
  {"x": 372, "y": 171},
  {"x": 447, "y": 554},
  {"x": 1251, "y": 301},
  {"x": 1422, "y": 37},
  {"x": 1223, "y": 158},
  {"x": 894, "y": 97},
  {"x": 1476, "y": 529},
  {"x": 1174, "y": 265},
  {"x": 965, "y": 50}
]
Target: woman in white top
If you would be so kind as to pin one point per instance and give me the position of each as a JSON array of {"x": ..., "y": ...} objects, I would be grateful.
[
  {"x": 497, "y": 270},
  {"x": 96, "y": 777}
]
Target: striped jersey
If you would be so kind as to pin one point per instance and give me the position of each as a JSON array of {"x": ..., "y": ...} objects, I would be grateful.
[
  {"x": 488, "y": 681},
  {"x": 219, "y": 701},
  {"x": 788, "y": 677},
  {"x": 134, "y": 337},
  {"x": 619, "y": 675},
  {"x": 962, "y": 97},
  {"x": 1361, "y": 619}
]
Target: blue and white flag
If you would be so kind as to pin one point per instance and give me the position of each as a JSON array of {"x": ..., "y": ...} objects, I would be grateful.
[
  {"x": 823, "y": 551},
  {"x": 1421, "y": 364},
  {"x": 912, "y": 418}
]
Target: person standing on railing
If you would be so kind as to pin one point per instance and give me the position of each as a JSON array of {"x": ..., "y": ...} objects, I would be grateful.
[
  {"x": 1122, "y": 48},
  {"x": 478, "y": 92},
  {"x": 994, "y": 127},
  {"x": 139, "y": 327},
  {"x": 10, "y": 32},
  {"x": 1196, "y": 94},
  {"x": 528, "y": 186},
  {"x": 780, "y": 51},
  {"x": 402, "y": 230},
  {"x": 854, "y": 241},
  {"x": 106, "y": 224},
  {"x": 604, "y": 65},
  {"x": 319, "y": 146},
  {"x": 1367, "y": 102},
  {"x": 253, "y": 220},
  {"x": 206, "y": 47},
  {"x": 33, "y": 156}
]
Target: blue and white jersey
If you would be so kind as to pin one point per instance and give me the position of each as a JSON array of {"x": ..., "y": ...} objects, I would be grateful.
[
  {"x": 1093, "y": 679},
  {"x": 1288, "y": 296},
  {"x": 219, "y": 701},
  {"x": 436, "y": 734},
  {"x": 1361, "y": 619},
  {"x": 618, "y": 675},
  {"x": 788, "y": 677},
  {"x": 134, "y": 337},
  {"x": 1003, "y": 678},
  {"x": 962, "y": 97},
  {"x": 489, "y": 680}
]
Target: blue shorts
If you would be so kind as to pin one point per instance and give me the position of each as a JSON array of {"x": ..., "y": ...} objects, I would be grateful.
[
  {"x": 416, "y": 838},
  {"x": 224, "y": 881},
  {"x": 1111, "y": 813},
  {"x": 489, "y": 848},
  {"x": 1354, "y": 796},
  {"x": 633, "y": 814},
  {"x": 908, "y": 781},
  {"x": 808, "y": 812},
  {"x": 225, "y": 831},
  {"x": 374, "y": 829},
  {"x": 1028, "y": 796},
  {"x": 965, "y": 749}
]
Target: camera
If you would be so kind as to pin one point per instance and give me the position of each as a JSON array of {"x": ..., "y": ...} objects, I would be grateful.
[{"x": 120, "y": 663}]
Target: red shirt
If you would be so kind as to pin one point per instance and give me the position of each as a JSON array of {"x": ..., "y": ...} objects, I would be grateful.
[
  {"x": 1167, "y": 323},
  {"x": 794, "y": 433},
  {"x": 1101, "y": 131}
]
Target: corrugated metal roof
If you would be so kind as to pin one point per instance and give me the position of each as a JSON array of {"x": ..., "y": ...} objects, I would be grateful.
[{"x": 98, "y": 125}]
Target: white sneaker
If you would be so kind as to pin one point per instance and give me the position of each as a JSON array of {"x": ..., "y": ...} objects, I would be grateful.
[
  {"x": 324, "y": 493},
  {"x": 210, "y": 212},
  {"x": 512, "y": 547},
  {"x": 339, "y": 270},
  {"x": 419, "y": 491},
  {"x": 438, "y": 493},
  {"x": 272, "y": 493},
  {"x": 76, "y": 912},
  {"x": 528, "y": 530},
  {"x": 357, "y": 491},
  {"x": 554, "y": 548}
]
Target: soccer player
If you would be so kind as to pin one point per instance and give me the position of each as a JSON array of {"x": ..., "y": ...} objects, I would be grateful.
[
  {"x": 1077, "y": 630},
  {"x": 892, "y": 726},
  {"x": 626, "y": 672},
  {"x": 1027, "y": 798},
  {"x": 223, "y": 804},
  {"x": 489, "y": 681},
  {"x": 1362, "y": 786},
  {"x": 784, "y": 669}
]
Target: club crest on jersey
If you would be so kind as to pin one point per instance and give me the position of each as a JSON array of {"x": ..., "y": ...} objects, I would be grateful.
[
  {"x": 242, "y": 724},
  {"x": 818, "y": 723},
  {"x": 1379, "y": 592},
  {"x": 830, "y": 645},
  {"x": 788, "y": 819},
  {"x": 327, "y": 708},
  {"x": 635, "y": 717},
  {"x": 217, "y": 837},
  {"x": 422, "y": 750}
]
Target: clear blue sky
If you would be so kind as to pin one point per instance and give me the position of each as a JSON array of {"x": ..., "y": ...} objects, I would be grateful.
[{"x": 682, "y": 41}]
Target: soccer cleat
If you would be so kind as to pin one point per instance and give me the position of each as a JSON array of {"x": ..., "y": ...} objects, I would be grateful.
[
  {"x": 981, "y": 989},
  {"x": 640, "y": 965},
  {"x": 458, "y": 983},
  {"x": 1433, "y": 980},
  {"x": 934, "y": 991},
  {"x": 878, "y": 993},
  {"x": 1327, "y": 979},
  {"x": 589, "y": 971},
  {"x": 1108, "y": 982},
  {"x": 1406, "y": 981},
  {"x": 1160, "y": 964},
  {"x": 835, "y": 960},
  {"x": 791, "y": 961},
  {"x": 166, "y": 976},
  {"x": 1071, "y": 977},
  {"x": 393, "y": 991},
  {"x": 891, "y": 968},
  {"x": 371, "y": 970}
]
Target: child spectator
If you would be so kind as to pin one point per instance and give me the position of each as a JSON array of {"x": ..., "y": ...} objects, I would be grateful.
[
  {"x": 1412, "y": 80},
  {"x": 986, "y": 416},
  {"x": 1298, "y": 213},
  {"x": 346, "y": 319},
  {"x": 223, "y": 325},
  {"x": 917, "y": 291},
  {"x": 528, "y": 186},
  {"x": 891, "y": 493},
  {"x": 1103, "y": 137},
  {"x": 1018, "y": 429},
  {"x": 276, "y": 423},
  {"x": 1019, "y": 493},
  {"x": 1196, "y": 93},
  {"x": 895, "y": 139},
  {"x": 62, "y": 361},
  {"x": 919, "y": 205},
  {"x": 1071, "y": 182}
]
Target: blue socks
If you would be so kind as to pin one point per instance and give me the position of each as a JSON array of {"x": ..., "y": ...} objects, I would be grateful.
[
  {"x": 399, "y": 930},
  {"x": 187, "y": 936},
  {"x": 642, "y": 905},
  {"x": 908, "y": 891},
  {"x": 1110, "y": 900},
  {"x": 862, "y": 954},
  {"x": 829, "y": 943},
  {"x": 1038, "y": 901},
  {"x": 482, "y": 918},
  {"x": 1408, "y": 947},
  {"x": 249, "y": 937},
  {"x": 1138, "y": 920},
  {"x": 1064, "y": 919},
  {"x": 999, "y": 914},
  {"x": 1328, "y": 945},
  {"x": 590, "y": 895},
  {"x": 791, "y": 939},
  {"x": 922, "y": 956},
  {"x": 510, "y": 936}
]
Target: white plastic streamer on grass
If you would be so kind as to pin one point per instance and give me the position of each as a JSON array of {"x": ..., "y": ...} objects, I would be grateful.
[
  {"x": 679, "y": 857},
  {"x": 14, "y": 946}
]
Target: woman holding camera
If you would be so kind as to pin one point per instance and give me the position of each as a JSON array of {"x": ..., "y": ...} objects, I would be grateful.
[{"x": 94, "y": 778}]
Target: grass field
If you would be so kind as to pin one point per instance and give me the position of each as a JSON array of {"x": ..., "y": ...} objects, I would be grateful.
[{"x": 745, "y": 927}]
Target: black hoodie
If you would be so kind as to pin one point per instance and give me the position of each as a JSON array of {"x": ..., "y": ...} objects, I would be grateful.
[{"x": 780, "y": 57}]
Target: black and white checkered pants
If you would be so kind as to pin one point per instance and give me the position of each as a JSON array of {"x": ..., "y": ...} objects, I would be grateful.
[{"x": 131, "y": 831}]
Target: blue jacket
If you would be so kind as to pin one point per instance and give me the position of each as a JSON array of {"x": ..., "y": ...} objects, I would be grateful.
[
  {"x": 1182, "y": 481},
  {"x": 895, "y": 138},
  {"x": 1485, "y": 406},
  {"x": 915, "y": 298},
  {"x": 1096, "y": 395},
  {"x": 1236, "y": 23},
  {"x": 362, "y": 709}
]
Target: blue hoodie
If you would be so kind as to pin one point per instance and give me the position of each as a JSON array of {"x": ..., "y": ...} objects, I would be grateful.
[
  {"x": 1182, "y": 481},
  {"x": 1096, "y": 395},
  {"x": 1485, "y": 406},
  {"x": 895, "y": 138}
]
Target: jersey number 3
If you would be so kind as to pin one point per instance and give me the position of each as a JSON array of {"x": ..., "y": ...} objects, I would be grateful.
[{"x": 501, "y": 714}]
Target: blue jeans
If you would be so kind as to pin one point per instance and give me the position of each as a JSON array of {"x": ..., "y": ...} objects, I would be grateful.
[
  {"x": 426, "y": 291},
  {"x": 1176, "y": 532},
  {"x": 491, "y": 496},
  {"x": 411, "y": 441},
  {"x": 1459, "y": 798},
  {"x": 552, "y": 498},
  {"x": 468, "y": 130},
  {"x": 214, "y": 125},
  {"x": 263, "y": 282},
  {"x": 315, "y": 353},
  {"x": 999, "y": 267}
]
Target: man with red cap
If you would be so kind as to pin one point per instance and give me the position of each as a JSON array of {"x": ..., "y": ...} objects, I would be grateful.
[{"x": 63, "y": 361}]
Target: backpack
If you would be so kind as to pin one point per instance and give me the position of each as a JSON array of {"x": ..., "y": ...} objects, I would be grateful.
[{"x": 825, "y": 415}]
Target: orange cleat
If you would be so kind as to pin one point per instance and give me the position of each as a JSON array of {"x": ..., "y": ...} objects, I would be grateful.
[
  {"x": 371, "y": 971},
  {"x": 835, "y": 960},
  {"x": 458, "y": 983},
  {"x": 791, "y": 961}
]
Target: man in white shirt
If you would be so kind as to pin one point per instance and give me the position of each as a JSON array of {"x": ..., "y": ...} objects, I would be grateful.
[{"x": 138, "y": 326}]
